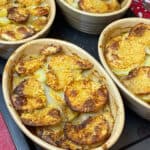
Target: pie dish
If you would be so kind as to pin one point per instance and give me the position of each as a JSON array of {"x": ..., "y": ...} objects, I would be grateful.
[
  {"x": 125, "y": 55},
  {"x": 70, "y": 105}
]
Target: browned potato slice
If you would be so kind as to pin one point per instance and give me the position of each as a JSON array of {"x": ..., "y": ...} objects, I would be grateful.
[
  {"x": 29, "y": 66},
  {"x": 94, "y": 130},
  {"x": 39, "y": 11},
  {"x": 138, "y": 80},
  {"x": 99, "y": 6},
  {"x": 123, "y": 54},
  {"x": 23, "y": 32},
  {"x": 51, "y": 49},
  {"x": 141, "y": 32},
  {"x": 29, "y": 95},
  {"x": 86, "y": 96},
  {"x": 30, "y": 2},
  {"x": 49, "y": 134},
  {"x": 64, "y": 69},
  {"x": 42, "y": 117},
  {"x": 18, "y": 15},
  {"x": 67, "y": 144}
]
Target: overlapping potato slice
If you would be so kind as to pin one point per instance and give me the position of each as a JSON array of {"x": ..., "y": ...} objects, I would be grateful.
[
  {"x": 18, "y": 14},
  {"x": 99, "y": 6},
  {"x": 49, "y": 134},
  {"x": 30, "y": 65},
  {"x": 12, "y": 32},
  {"x": 123, "y": 54},
  {"x": 42, "y": 117},
  {"x": 39, "y": 11},
  {"x": 29, "y": 95},
  {"x": 51, "y": 49},
  {"x": 3, "y": 2},
  {"x": 86, "y": 96},
  {"x": 64, "y": 69},
  {"x": 91, "y": 131},
  {"x": 138, "y": 80},
  {"x": 141, "y": 33}
]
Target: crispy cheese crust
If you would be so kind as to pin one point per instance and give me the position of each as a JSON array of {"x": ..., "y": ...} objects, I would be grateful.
[
  {"x": 92, "y": 131},
  {"x": 29, "y": 95},
  {"x": 99, "y": 6},
  {"x": 29, "y": 66},
  {"x": 64, "y": 69},
  {"x": 86, "y": 96},
  {"x": 42, "y": 117},
  {"x": 138, "y": 80},
  {"x": 30, "y": 2}
]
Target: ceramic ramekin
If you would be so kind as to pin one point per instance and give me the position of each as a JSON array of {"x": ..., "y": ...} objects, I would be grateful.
[
  {"x": 7, "y": 47},
  {"x": 114, "y": 29},
  {"x": 34, "y": 47},
  {"x": 91, "y": 23}
]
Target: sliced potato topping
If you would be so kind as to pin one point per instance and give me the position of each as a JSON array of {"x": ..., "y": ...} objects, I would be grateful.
[
  {"x": 86, "y": 96},
  {"x": 42, "y": 117},
  {"x": 138, "y": 80},
  {"x": 91, "y": 131},
  {"x": 29, "y": 66},
  {"x": 29, "y": 95}
]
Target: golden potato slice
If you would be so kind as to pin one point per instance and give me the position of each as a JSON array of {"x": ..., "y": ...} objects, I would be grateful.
[
  {"x": 30, "y": 2},
  {"x": 39, "y": 11},
  {"x": 64, "y": 69},
  {"x": 138, "y": 80},
  {"x": 29, "y": 95},
  {"x": 123, "y": 54},
  {"x": 29, "y": 66},
  {"x": 98, "y": 6},
  {"x": 94, "y": 130},
  {"x": 49, "y": 134},
  {"x": 51, "y": 49},
  {"x": 86, "y": 96},
  {"x": 141, "y": 33},
  {"x": 23, "y": 32},
  {"x": 42, "y": 117},
  {"x": 18, "y": 15}
]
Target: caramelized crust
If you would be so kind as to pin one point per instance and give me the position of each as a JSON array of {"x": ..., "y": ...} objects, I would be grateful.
[
  {"x": 29, "y": 66},
  {"x": 42, "y": 117},
  {"x": 138, "y": 80},
  {"x": 86, "y": 96},
  {"x": 29, "y": 95},
  {"x": 18, "y": 15},
  {"x": 39, "y": 11},
  {"x": 49, "y": 134},
  {"x": 91, "y": 131},
  {"x": 3, "y": 2},
  {"x": 99, "y": 6},
  {"x": 124, "y": 54},
  {"x": 64, "y": 69}
]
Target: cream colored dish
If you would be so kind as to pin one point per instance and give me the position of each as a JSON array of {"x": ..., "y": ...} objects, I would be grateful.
[
  {"x": 55, "y": 49},
  {"x": 124, "y": 52}
]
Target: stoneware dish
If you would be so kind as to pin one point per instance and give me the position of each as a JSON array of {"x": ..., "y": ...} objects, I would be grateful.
[
  {"x": 33, "y": 47},
  {"x": 7, "y": 47},
  {"x": 114, "y": 29},
  {"x": 91, "y": 23}
]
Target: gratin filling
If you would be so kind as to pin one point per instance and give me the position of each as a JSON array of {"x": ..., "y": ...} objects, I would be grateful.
[
  {"x": 95, "y": 6},
  {"x": 62, "y": 98},
  {"x": 20, "y": 19},
  {"x": 128, "y": 55}
]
